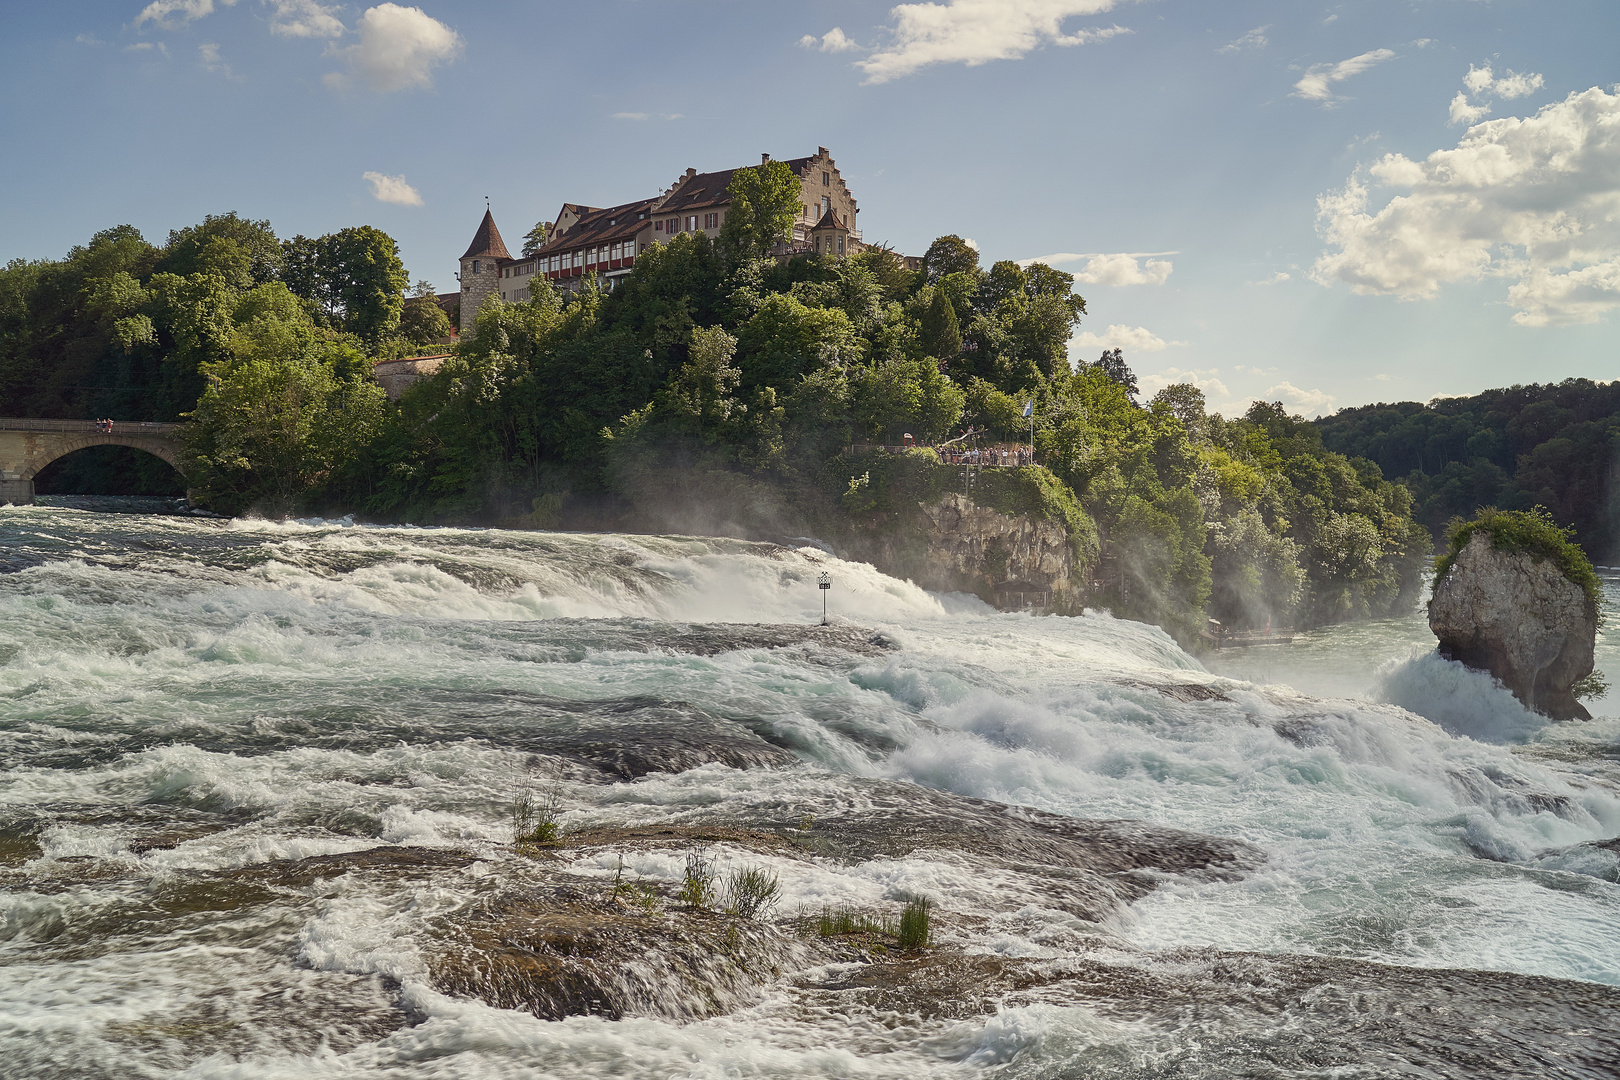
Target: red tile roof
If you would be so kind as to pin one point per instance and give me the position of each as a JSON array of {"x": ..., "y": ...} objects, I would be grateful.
[{"x": 595, "y": 226}]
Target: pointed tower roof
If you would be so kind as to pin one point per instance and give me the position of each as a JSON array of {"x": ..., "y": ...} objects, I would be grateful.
[
  {"x": 487, "y": 241},
  {"x": 829, "y": 220}
]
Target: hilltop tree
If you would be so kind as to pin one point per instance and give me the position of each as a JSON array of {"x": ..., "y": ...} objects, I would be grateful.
[
  {"x": 1112, "y": 364},
  {"x": 354, "y": 277},
  {"x": 949, "y": 255},
  {"x": 244, "y": 253},
  {"x": 764, "y": 202}
]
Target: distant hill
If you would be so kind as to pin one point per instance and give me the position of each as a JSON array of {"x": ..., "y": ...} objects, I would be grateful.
[{"x": 1552, "y": 445}]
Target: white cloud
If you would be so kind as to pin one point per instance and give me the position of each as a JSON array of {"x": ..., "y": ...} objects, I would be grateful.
[
  {"x": 147, "y": 46},
  {"x": 1482, "y": 82},
  {"x": 209, "y": 54},
  {"x": 1304, "y": 402},
  {"x": 970, "y": 242},
  {"x": 1515, "y": 85},
  {"x": 170, "y": 13},
  {"x": 304, "y": 19},
  {"x": 1534, "y": 200},
  {"x": 1275, "y": 279},
  {"x": 1254, "y": 39},
  {"x": 975, "y": 32},
  {"x": 392, "y": 189},
  {"x": 834, "y": 40},
  {"x": 1120, "y": 336},
  {"x": 1464, "y": 113},
  {"x": 399, "y": 48},
  {"x": 1317, "y": 84},
  {"x": 1123, "y": 269},
  {"x": 1113, "y": 268}
]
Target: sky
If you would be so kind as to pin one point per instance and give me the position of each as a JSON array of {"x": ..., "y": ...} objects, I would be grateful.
[{"x": 1323, "y": 204}]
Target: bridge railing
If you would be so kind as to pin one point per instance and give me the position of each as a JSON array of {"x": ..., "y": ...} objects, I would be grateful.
[{"x": 120, "y": 427}]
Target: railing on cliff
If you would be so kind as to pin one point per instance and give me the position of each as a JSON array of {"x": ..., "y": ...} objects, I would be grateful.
[
  {"x": 120, "y": 427},
  {"x": 1009, "y": 455}
]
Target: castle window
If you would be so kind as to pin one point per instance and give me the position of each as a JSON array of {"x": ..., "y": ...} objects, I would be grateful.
[
  {"x": 475, "y": 266},
  {"x": 840, "y": 245},
  {"x": 826, "y": 180},
  {"x": 658, "y": 226}
]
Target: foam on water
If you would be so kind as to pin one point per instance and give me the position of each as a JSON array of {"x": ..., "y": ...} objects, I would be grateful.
[{"x": 317, "y": 688}]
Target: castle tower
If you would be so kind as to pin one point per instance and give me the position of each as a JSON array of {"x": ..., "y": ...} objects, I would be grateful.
[{"x": 480, "y": 270}]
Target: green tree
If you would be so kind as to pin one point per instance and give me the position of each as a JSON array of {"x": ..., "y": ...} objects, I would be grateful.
[
  {"x": 242, "y": 252},
  {"x": 785, "y": 339},
  {"x": 906, "y": 396},
  {"x": 423, "y": 321},
  {"x": 1112, "y": 364},
  {"x": 282, "y": 413},
  {"x": 535, "y": 238},
  {"x": 353, "y": 276},
  {"x": 765, "y": 200},
  {"x": 949, "y": 255},
  {"x": 941, "y": 334}
]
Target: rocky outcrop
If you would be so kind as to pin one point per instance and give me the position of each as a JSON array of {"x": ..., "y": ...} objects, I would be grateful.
[
  {"x": 1518, "y": 617},
  {"x": 958, "y": 545}
]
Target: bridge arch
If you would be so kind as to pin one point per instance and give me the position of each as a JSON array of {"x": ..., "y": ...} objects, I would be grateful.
[{"x": 27, "y": 446}]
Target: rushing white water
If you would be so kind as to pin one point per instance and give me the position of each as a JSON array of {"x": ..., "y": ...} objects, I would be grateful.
[{"x": 253, "y": 692}]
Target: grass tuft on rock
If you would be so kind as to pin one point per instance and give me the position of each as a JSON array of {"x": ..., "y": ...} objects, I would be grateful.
[
  {"x": 1533, "y": 532},
  {"x": 914, "y": 920},
  {"x": 751, "y": 892},
  {"x": 697, "y": 888},
  {"x": 845, "y": 920},
  {"x": 536, "y": 819}
]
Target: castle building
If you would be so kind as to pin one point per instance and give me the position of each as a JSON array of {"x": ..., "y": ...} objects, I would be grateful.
[
  {"x": 587, "y": 243},
  {"x": 482, "y": 265}
]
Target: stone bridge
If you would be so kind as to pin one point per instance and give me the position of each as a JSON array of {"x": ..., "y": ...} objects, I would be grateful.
[{"x": 27, "y": 446}]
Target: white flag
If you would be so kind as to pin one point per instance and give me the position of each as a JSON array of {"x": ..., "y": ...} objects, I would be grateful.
[{"x": 1029, "y": 408}]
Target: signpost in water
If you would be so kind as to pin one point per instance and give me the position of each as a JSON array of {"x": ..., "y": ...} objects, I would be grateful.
[{"x": 825, "y": 583}]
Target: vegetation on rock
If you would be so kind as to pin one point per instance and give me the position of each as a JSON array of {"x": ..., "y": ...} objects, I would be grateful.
[{"x": 1532, "y": 532}]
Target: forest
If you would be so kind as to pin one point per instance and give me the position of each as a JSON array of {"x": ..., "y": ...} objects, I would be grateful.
[
  {"x": 716, "y": 389},
  {"x": 1553, "y": 446}
]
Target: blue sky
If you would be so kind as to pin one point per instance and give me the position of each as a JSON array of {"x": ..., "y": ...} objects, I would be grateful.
[{"x": 1324, "y": 204}]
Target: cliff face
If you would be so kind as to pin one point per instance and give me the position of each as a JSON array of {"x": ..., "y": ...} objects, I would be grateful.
[
  {"x": 955, "y": 545},
  {"x": 1522, "y": 620}
]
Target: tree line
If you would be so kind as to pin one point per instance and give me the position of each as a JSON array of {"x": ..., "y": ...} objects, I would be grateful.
[
  {"x": 717, "y": 388},
  {"x": 1550, "y": 445}
]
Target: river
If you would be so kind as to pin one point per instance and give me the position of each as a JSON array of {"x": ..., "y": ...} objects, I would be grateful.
[{"x": 258, "y": 775}]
